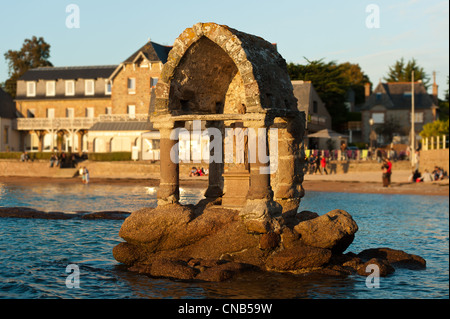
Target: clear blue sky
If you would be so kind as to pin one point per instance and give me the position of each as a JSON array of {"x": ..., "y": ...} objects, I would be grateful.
[{"x": 110, "y": 31}]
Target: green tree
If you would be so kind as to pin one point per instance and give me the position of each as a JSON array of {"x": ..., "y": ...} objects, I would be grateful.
[
  {"x": 436, "y": 128},
  {"x": 356, "y": 79},
  {"x": 402, "y": 72},
  {"x": 34, "y": 53},
  {"x": 332, "y": 82}
]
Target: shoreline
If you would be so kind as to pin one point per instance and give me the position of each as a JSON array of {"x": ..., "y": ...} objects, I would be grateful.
[{"x": 439, "y": 188}]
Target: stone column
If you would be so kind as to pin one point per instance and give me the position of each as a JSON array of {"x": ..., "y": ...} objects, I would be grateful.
[
  {"x": 236, "y": 174},
  {"x": 259, "y": 210},
  {"x": 80, "y": 141},
  {"x": 259, "y": 172},
  {"x": 169, "y": 187},
  {"x": 288, "y": 178},
  {"x": 215, "y": 179},
  {"x": 40, "y": 135}
]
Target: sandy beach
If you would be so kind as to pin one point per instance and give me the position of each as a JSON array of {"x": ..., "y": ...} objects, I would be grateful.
[{"x": 360, "y": 182}]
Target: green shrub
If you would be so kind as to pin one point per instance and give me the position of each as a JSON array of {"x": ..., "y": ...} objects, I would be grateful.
[
  {"x": 10, "y": 155},
  {"x": 31, "y": 155},
  {"x": 110, "y": 157}
]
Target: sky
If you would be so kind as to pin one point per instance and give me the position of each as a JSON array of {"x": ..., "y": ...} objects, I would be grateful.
[{"x": 374, "y": 34}]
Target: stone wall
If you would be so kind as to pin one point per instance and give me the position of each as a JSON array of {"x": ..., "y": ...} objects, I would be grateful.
[
  {"x": 431, "y": 158},
  {"x": 140, "y": 97},
  {"x": 60, "y": 106},
  {"x": 151, "y": 170},
  {"x": 132, "y": 170}
]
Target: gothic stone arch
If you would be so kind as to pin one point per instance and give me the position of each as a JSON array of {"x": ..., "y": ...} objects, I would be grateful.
[{"x": 223, "y": 76}]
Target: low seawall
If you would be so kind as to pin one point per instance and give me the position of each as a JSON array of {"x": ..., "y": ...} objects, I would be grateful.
[
  {"x": 116, "y": 170},
  {"x": 147, "y": 170}
]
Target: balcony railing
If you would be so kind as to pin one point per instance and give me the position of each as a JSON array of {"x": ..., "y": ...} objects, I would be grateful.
[
  {"x": 55, "y": 123},
  {"x": 76, "y": 123}
]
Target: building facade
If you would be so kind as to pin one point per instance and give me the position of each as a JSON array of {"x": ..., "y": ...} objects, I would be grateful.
[
  {"x": 317, "y": 116},
  {"x": 390, "y": 104},
  {"x": 9, "y": 137},
  {"x": 133, "y": 85},
  {"x": 58, "y": 106}
]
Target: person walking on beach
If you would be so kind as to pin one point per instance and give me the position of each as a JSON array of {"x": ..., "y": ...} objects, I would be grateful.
[
  {"x": 86, "y": 175},
  {"x": 387, "y": 172},
  {"x": 323, "y": 164}
]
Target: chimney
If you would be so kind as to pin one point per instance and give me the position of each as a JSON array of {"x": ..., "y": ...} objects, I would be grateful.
[
  {"x": 367, "y": 90},
  {"x": 435, "y": 87}
]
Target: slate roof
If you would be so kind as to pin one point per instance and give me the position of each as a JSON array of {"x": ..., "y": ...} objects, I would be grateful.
[
  {"x": 122, "y": 126},
  {"x": 153, "y": 52},
  {"x": 7, "y": 106},
  {"x": 69, "y": 73},
  {"x": 397, "y": 95}
]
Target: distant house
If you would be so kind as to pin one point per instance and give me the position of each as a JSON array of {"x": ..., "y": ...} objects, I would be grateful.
[
  {"x": 58, "y": 105},
  {"x": 391, "y": 102},
  {"x": 133, "y": 84},
  {"x": 317, "y": 116},
  {"x": 9, "y": 137},
  {"x": 92, "y": 108}
]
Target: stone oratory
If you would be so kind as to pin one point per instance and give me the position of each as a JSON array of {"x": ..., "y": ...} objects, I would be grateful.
[
  {"x": 230, "y": 79},
  {"x": 248, "y": 221}
]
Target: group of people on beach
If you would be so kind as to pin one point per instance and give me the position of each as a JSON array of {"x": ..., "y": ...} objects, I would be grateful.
[
  {"x": 198, "y": 172},
  {"x": 437, "y": 174},
  {"x": 317, "y": 163}
]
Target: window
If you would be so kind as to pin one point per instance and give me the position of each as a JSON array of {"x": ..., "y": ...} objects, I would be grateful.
[
  {"x": 108, "y": 110},
  {"x": 50, "y": 88},
  {"x": 418, "y": 117},
  {"x": 89, "y": 87},
  {"x": 131, "y": 85},
  {"x": 378, "y": 118},
  {"x": 315, "y": 107},
  {"x": 89, "y": 112},
  {"x": 31, "y": 88},
  {"x": 153, "y": 82},
  {"x": 70, "y": 88},
  {"x": 51, "y": 113},
  {"x": 5, "y": 135},
  {"x": 131, "y": 111},
  {"x": 31, "y": 113},
  {"x": 70, "y": 112},
  {"x": 378, "y": 96},
  {"x": 108, "y": 88}
]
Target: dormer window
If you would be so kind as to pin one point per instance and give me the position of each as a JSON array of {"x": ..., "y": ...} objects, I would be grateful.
[
  {"x": 50, "y": 88},
  {"x": 89, "y": 87},
  {"x": 31, "y": 89},
  {"x": 70, "y": 88}
]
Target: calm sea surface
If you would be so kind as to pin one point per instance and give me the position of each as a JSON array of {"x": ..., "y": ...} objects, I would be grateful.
[{"x": 34, "y": 254}]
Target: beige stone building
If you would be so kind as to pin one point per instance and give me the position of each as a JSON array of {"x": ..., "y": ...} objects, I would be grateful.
[
  {"x": 9, "y": 137},
  {"x": 391, "y": 102},
  {"x": 317, "y": 116},
  {"x": 92, "y": 108},
  {"x": 133, "y": 84},
  {"x": 56, "y": 106}
]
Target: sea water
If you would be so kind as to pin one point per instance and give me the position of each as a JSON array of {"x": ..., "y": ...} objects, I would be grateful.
[{"x": 35, "y": 253}]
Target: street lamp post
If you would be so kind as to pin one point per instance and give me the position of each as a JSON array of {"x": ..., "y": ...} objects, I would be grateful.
[
  {"x": 413, "y": 132},
  {"x": 371, "y": 133}
]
